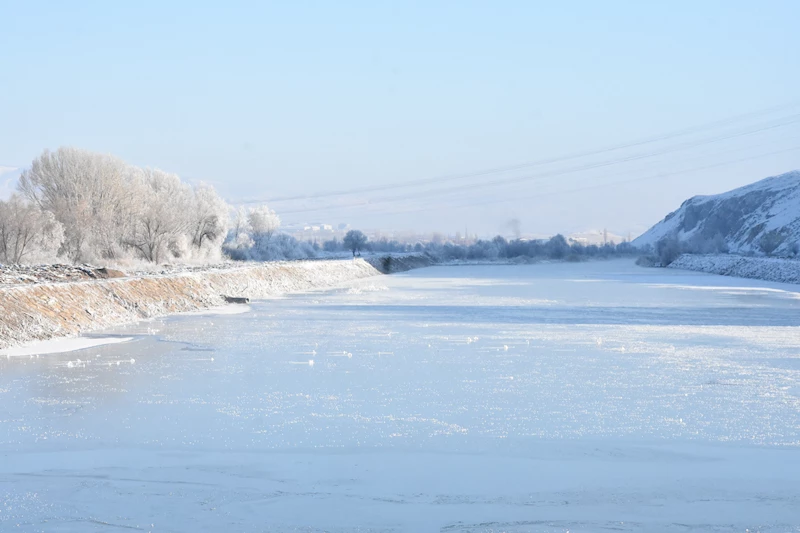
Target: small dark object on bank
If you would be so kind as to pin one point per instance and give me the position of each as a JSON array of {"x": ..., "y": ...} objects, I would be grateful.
[
  {"x": 237, "y": 299},
  {"x": 108, "y": 273}
]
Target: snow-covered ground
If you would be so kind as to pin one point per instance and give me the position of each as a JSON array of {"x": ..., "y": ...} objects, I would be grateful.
[
  {"x": 594, "y": 396},
  {"x": 765, "y": 268}
]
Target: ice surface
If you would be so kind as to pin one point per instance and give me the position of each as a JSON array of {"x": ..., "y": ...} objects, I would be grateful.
[{"x": 552, "y": 397}]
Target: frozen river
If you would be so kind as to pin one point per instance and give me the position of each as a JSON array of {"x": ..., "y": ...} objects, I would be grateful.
[{"x": 583, "y": 397}]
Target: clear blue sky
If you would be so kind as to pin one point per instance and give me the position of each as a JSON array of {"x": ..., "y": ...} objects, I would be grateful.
[{"x": 273, "y": 99}]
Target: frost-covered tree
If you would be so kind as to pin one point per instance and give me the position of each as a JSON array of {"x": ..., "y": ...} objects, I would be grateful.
[
  {"x": 355, "y": 241},
  {"x": 113, "y": 211},
  {"x": 208, "y": 221},
  {"x": 87, "y": 193},
  {"x": 263, "y": 223},
  {"x": 27, "y": 232},
  {"x": 332, "y": 245},
  {"x": 239, "y": 224},
  {"x": 557, "y": 247},
  {"x": 161, "y": 219},
  {"x": 668, "y": 249},
  {"x": 254, "y": 236}
]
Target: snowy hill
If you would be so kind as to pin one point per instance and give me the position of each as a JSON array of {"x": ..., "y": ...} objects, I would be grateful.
[
  {"x": 8, "y": 181},
  {"x": 741, "y": 217}
]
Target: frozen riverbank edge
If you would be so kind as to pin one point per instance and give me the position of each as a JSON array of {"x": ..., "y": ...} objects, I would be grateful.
[
  {"x": 764, "y": 268},
  {"x": 46, "y": 311}
]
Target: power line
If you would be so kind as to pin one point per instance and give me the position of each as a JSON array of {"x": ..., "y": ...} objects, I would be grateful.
[
  {"x": 596, "y": 186},
  {"x": 661, "y": 175},
  {"x": 611, "y": 184},
  {"x": 591, "y": 166},
  {"x": 548, "y": 174},
  {"x": 694, "y": 159},
  {"x": 509, "y": 168}
]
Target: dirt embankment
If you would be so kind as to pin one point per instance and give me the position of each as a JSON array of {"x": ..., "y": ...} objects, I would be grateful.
[{"x": 41, "y": 311}]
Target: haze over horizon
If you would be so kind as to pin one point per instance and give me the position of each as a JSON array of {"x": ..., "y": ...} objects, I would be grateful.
[{"x": 427, "y": 117}]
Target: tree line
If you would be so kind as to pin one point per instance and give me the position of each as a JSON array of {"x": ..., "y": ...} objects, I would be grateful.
[
  {"x": 669, "y": 248},
  {"x": 557, "y": 247},
  {"x": 78, "y": 206}
]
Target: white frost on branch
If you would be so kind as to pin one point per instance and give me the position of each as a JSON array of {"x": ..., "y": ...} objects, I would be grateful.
[{"x": 27, "y": 233}]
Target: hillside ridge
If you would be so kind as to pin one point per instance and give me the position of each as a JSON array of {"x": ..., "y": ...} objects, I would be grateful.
[{"x": 760, "y": 217}]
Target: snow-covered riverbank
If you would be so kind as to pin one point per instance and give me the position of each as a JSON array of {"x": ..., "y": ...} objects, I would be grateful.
[
  {"x": 765, "y": 268},
  {"x": 43, "y": 311}
]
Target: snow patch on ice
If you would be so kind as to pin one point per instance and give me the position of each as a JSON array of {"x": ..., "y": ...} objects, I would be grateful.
[
  {"x": 61, "y": 345},
  {"x": 367, "y": 288},
  {"x": 233, "y": 309}
]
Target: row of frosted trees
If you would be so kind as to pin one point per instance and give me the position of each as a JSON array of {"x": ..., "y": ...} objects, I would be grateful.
[
  {"x": 79, "y": 206},
  {"x": 556, "y": 247}
]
